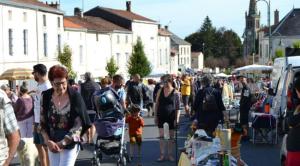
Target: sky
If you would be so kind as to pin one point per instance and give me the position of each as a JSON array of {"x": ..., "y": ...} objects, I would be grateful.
[{"x": 186, "y": 16}]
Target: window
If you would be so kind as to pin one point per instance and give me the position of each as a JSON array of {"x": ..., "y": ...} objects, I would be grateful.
[
  {"x": 184, "y": 59},
  {"x": 127, "y": 56},
  {"x": 118, "y": 39},
  {"x": 118, "y": 59},
  {"x": 9, "y": 15},
  {"x": 10, "y": 41},
  {"x": 260, "y": 50},
  {"x": 166, "y": 54},
  {"x": 181, "y": 60},
  {"x": 80, "y": 54},
  {"x": 25, "y": 41},
  {"x": 267, "y": 50},
  {"x": 45, "y": 44},
  {"x": 24, "y": 16},
  {"x": 188, "y": 60},
  {"x": 160, "y": 57},
  {"x": 80, "y": 36},
  {"x": 126, "y": 39},
  {"x": 181, "y": 50},
  {"x": 97, "y": 37},
  {"x": 58, "y": 22},
  {"x": 44, "y": 20},
  {"x": 59, "y": 43}
]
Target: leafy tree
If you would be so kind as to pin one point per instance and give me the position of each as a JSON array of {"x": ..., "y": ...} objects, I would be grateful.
[
  {"x": 217, "y": 43},
  {"x": 111, "y": 67},
  {"x": 278, "y": 53},
  {"x": 296, "y": 44},
  {"x": 65, "y": 58},
  {"x": 138, "y": 62}
]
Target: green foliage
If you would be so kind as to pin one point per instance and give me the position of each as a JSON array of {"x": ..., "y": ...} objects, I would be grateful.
[
  {"x": 138, "y": 62},
  {"x": 296, "y": 44},
  {"x": 217, "y": 43},
  {"x": 111, "y": 67},
  {"x": 278, "y": 53},
  {"x": 65, "y": 58},
  {"x": 228, "y": 71}
]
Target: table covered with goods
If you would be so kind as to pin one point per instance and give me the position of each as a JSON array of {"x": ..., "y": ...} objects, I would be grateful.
[{"x": 202, "y": 150}]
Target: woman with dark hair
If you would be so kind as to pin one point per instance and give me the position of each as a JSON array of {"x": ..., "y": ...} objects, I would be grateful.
[
  {"x": 63, "y": 119},
  {"x": 24, "y": 112},
  {"x": 293, "y": 138},
  {"x": 167, "y": 111}
]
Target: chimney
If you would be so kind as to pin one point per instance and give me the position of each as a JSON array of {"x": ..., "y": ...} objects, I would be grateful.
[
  {"x": 276, "y": 17},
  {"x": 54, "y": 5},
  {"x": 128, "y": 6},
  {"x": 166, "y": 27},
  {"x": 159, "y": 26},
  {"x": 77, "y": 12}
]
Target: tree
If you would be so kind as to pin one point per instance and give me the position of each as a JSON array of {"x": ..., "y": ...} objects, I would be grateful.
[
  {"x": 138, "y": 62},
  {"x": 65, "y": 58},
  {"x": 111, "y": 67},
  {"x": 296, "y": 44},
  {"x": 216, "y": 43}
]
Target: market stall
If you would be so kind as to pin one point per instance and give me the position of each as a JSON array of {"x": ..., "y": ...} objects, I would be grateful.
[{"x": 224, "y": 149}]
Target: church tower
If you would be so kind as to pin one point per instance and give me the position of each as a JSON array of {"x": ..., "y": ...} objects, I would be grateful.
[{"x": 251, "y": 30}]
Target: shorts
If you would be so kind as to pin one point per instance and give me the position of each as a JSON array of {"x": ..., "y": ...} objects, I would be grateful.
[
  {"x": 92, "y": 115},
  {"x": 166, "y": 119},
  {"x": 38, "y": 138},
  {"x": 185, "y": 100},
  {"x": 136, "y": 139}
]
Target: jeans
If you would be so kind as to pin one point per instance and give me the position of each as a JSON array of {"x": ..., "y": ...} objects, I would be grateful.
[{"x": 67, "y": 157}]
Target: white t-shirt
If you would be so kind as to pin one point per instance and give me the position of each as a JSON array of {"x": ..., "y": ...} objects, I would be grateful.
[{"x": 37, "y": 100}]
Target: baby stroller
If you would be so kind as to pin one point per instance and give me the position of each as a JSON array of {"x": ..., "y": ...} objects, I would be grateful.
[{"x": 110, "y": 127}]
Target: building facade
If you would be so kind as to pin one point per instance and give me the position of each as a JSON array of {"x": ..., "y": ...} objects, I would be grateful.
[
  {"x": 284, "y": 34},
  {"x": 182, "y": 50},
  {"x": 94, "y": 41},
  {"x": 31, "y": 32},
  {"x": 163, "y": 56},
  {"x": 197, "y": 62}
]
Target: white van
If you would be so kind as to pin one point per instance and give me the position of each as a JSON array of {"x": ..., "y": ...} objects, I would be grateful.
[{"x": 280, "y": 65}]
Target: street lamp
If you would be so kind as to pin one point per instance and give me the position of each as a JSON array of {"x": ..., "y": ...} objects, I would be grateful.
[
  {"x": 269, "y": 24},
  {"x": 203, "y": 47}
]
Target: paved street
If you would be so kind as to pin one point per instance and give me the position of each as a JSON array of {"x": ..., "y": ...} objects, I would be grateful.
[{"x": 253, "y": 155}]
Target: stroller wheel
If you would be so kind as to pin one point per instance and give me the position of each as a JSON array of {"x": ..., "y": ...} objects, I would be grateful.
[
  {"x": 122, "y": 161},
  {"x": 95, "y": 162}
]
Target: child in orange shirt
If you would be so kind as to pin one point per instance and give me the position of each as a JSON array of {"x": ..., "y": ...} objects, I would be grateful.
[{"x": 136, "y": 124}]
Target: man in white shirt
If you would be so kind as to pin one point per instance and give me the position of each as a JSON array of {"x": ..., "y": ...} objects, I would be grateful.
[{"x": 40, "y": 76}]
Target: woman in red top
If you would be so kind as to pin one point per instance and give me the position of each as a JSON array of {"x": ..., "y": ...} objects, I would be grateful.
[{"x": 136, "y": 124}]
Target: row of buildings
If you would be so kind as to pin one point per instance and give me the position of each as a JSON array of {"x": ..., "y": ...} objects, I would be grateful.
[
  {"x": 284, "y": 33},
  {"x": 35, "y": 32}
]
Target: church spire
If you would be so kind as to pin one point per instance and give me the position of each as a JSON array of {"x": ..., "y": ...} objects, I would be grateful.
[{"x": 252, "y": 8}]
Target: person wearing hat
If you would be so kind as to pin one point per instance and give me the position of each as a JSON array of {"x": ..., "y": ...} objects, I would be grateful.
[{"x": 245, "y": 105}]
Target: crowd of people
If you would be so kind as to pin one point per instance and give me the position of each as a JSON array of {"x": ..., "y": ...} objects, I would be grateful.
[{"x": 59, "y": 113}]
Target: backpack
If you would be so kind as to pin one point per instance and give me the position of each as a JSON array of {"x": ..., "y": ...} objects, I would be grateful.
[
  {"x": 209, "y": 101},
  {"x": 135, "y": 93}
]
